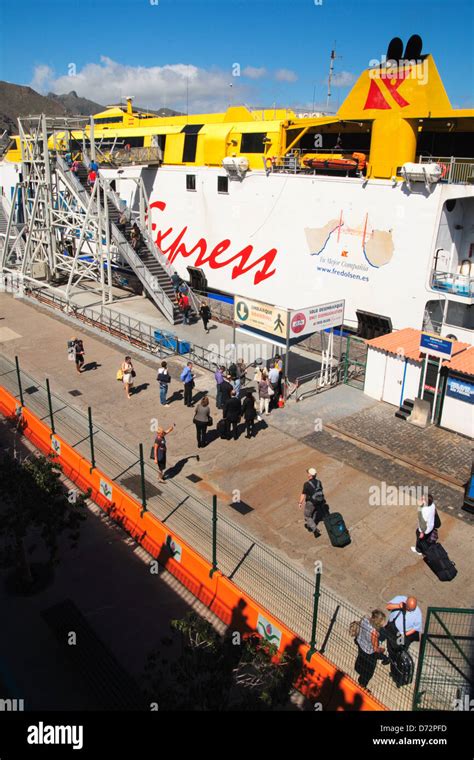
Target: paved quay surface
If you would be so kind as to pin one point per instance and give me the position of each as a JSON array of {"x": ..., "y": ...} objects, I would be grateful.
[{"x": 267, "y": 472}]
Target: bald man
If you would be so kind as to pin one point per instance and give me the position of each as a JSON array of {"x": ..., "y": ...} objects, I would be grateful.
[{"x": 413, "y": 618}]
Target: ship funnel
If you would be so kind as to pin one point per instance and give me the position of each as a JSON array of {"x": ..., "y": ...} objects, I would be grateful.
[
  {"x": 413, "y": 48},
  {"x": 395, "y": 49}
]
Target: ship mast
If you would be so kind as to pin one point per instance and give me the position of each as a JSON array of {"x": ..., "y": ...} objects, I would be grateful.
[{"x": 331, "y": 71}]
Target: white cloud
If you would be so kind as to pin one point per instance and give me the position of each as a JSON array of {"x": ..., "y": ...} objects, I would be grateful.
[
  {"x": 254, "y": 73},
  {"x": 42, "y": 76},
  {"x": 109, "y": 81},
  {"x": 343, "y": 79},
  {"x": 285, "y": 75}
]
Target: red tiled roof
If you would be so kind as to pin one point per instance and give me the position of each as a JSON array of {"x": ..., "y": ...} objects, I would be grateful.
[
  {"x": 462, "y": 361},
  {"x": 406, "y": 342}
]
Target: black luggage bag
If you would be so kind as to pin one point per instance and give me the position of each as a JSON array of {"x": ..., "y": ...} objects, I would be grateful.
[
  {"x": 336, "y": 528},
  {"x": 438, "y": 561},
  {"x": 402, "y": 667},
  {"x": 221, "y": 428}
]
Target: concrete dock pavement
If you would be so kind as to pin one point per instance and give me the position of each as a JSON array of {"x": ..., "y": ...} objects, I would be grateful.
[{"x": 262, "y": 477}]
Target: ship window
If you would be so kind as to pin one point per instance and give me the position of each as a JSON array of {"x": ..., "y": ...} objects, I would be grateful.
[
  {"x": 190, "y": 181},
  {"x": 189, "y": 150},
  {"x": 450, "y": 204},
  {"x": 108, "y": 120},
  {"x": 252, "y": 142},
  {"x": 223, "y": 184}
]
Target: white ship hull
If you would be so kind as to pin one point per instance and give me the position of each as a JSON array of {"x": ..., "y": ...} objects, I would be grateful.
[{"x": 299, "y": 240}]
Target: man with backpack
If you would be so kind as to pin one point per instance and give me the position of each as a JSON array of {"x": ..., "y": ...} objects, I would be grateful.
[
  {"x": 312, "y": 498},
  {"x": 164, "y": 379}
]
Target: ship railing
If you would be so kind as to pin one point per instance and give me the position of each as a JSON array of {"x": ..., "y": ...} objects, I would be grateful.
[
  {"x": 456, "y": 170},
  {"x": 454, "y": 283},
  {"x": 134, "y": 156}
]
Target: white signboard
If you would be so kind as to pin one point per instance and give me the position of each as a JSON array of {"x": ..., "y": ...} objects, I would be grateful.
[
  {"x": 316, "y": 318},
  {"x": 260, "y": 317}
]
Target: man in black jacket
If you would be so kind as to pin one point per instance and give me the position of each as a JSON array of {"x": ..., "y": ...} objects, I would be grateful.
[
  {"x": 226, "y": 390},
  {"x": 232, "y": 414}
]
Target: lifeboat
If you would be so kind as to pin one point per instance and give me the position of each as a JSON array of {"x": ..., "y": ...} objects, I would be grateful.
[{"x": 335, "y": 162}]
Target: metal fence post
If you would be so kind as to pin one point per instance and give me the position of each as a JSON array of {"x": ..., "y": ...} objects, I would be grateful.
[
  {"x": 142, "y": 478},
  {"x": 346, "y": 358},
  {"x": 214, "y": 536},
  {"x": 91, "y": 438},
  {"x": 312, "y": 646},
  {"x": 20, "y": 389},
  {"x": 48, "y": 391}
]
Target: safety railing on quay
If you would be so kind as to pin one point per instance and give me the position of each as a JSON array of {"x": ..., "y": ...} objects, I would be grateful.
[
  {"x": 315, "y": 382},
  {"x": 121, "y": 326},
  {"x": 314, "y": 612}
]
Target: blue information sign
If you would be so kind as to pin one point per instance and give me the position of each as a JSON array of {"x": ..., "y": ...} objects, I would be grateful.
[
  {"x": 463, "y": 390},
  {"x": 436, "y": 346}
]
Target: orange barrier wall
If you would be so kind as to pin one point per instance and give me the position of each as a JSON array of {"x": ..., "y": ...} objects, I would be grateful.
[{"x": 322, "y": 681}]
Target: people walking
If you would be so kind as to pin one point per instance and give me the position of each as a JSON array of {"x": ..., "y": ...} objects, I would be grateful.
[
  {"x": 91, "y": 178},
  {"x": 128, "y": 374},
  {"x": 427, "y": 531},
  {"x": 368, "y": 645},
  {"x": 219, "y": 378},
  {"x": 164, "y": 380},
  {"x": 185, "y": 307},
  {"x": 122, "y": 222},
  {"x": 202, "y": 419},
  {"x": 187, "y": 377},
  {"x": 265, "y": 392},
  {"x": 249, "y": 413},
  {"x": 274, "y": 380},
  {"x": 160, "y": 451},
  {"x": 241, "y": 372},
  {"x": 313, "y": 501},
  {"x": 78, "y": 353},
  {"x": 205, "y": 314},
  {"x": 232, "y": 415}
]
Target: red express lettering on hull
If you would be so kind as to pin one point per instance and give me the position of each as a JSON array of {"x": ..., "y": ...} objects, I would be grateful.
[{"x": 178, "y": 248}]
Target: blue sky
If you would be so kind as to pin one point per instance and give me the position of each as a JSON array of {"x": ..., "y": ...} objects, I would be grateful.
[{"x": 158, "y": 51}]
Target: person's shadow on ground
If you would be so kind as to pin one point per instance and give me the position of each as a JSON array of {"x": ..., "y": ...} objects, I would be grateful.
[
  {"x": 200, "y": 395},
  {"x": 176, "y": 396},
  {"x": 140, "y": 388},
  {"x": 91, "y": 365},
  {"x": 171, "y": 472}
]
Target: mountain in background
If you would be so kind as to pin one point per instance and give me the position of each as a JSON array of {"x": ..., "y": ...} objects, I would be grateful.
[
  {"x": 17, "y": 100},
  {"x": 74, "y": 105}
]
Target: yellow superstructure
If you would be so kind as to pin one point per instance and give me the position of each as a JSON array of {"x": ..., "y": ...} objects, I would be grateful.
[{"x": 391, "y": 115}]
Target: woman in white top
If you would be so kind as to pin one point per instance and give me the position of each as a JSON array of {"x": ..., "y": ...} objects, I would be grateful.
[
  {"x": 425, "y": 533},
  {"x": 128, "y": 375}
]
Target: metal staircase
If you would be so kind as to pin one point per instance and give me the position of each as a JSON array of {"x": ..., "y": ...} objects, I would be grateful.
[
  {"x": 143, "y": 260},
  {"x": 11, "y": 235}
]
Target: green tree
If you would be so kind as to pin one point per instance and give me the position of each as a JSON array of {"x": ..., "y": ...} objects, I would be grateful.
[
  {"x": 34, "y": 501},
  {"x": 212, "y": 672}
]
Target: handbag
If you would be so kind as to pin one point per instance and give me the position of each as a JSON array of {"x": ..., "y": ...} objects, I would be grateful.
[
  {"x": 210, "y": 421},
  {"x": 437, "y": 521},
  {"x": 119, "y": 375},
  {"x": 354, "y": 628},
  {"x": 270, "y": 391},
  {"x": 134, "y": 374}
]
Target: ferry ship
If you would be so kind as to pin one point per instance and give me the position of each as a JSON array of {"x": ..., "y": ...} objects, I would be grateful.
[{"x": 373, "y": 205}]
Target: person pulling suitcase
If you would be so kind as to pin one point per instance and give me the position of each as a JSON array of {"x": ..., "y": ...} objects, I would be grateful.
[{"x": 314, "y": 503}]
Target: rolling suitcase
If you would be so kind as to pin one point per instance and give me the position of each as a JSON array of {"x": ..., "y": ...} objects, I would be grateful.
[
  {"x": 336, "y": 528},
  {"x": 438, "y": 561},
  {"x": 402, "y": 667}
]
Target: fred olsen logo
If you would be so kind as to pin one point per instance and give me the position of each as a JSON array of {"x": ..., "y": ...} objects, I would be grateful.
[{"x": 298, "y": 322}]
